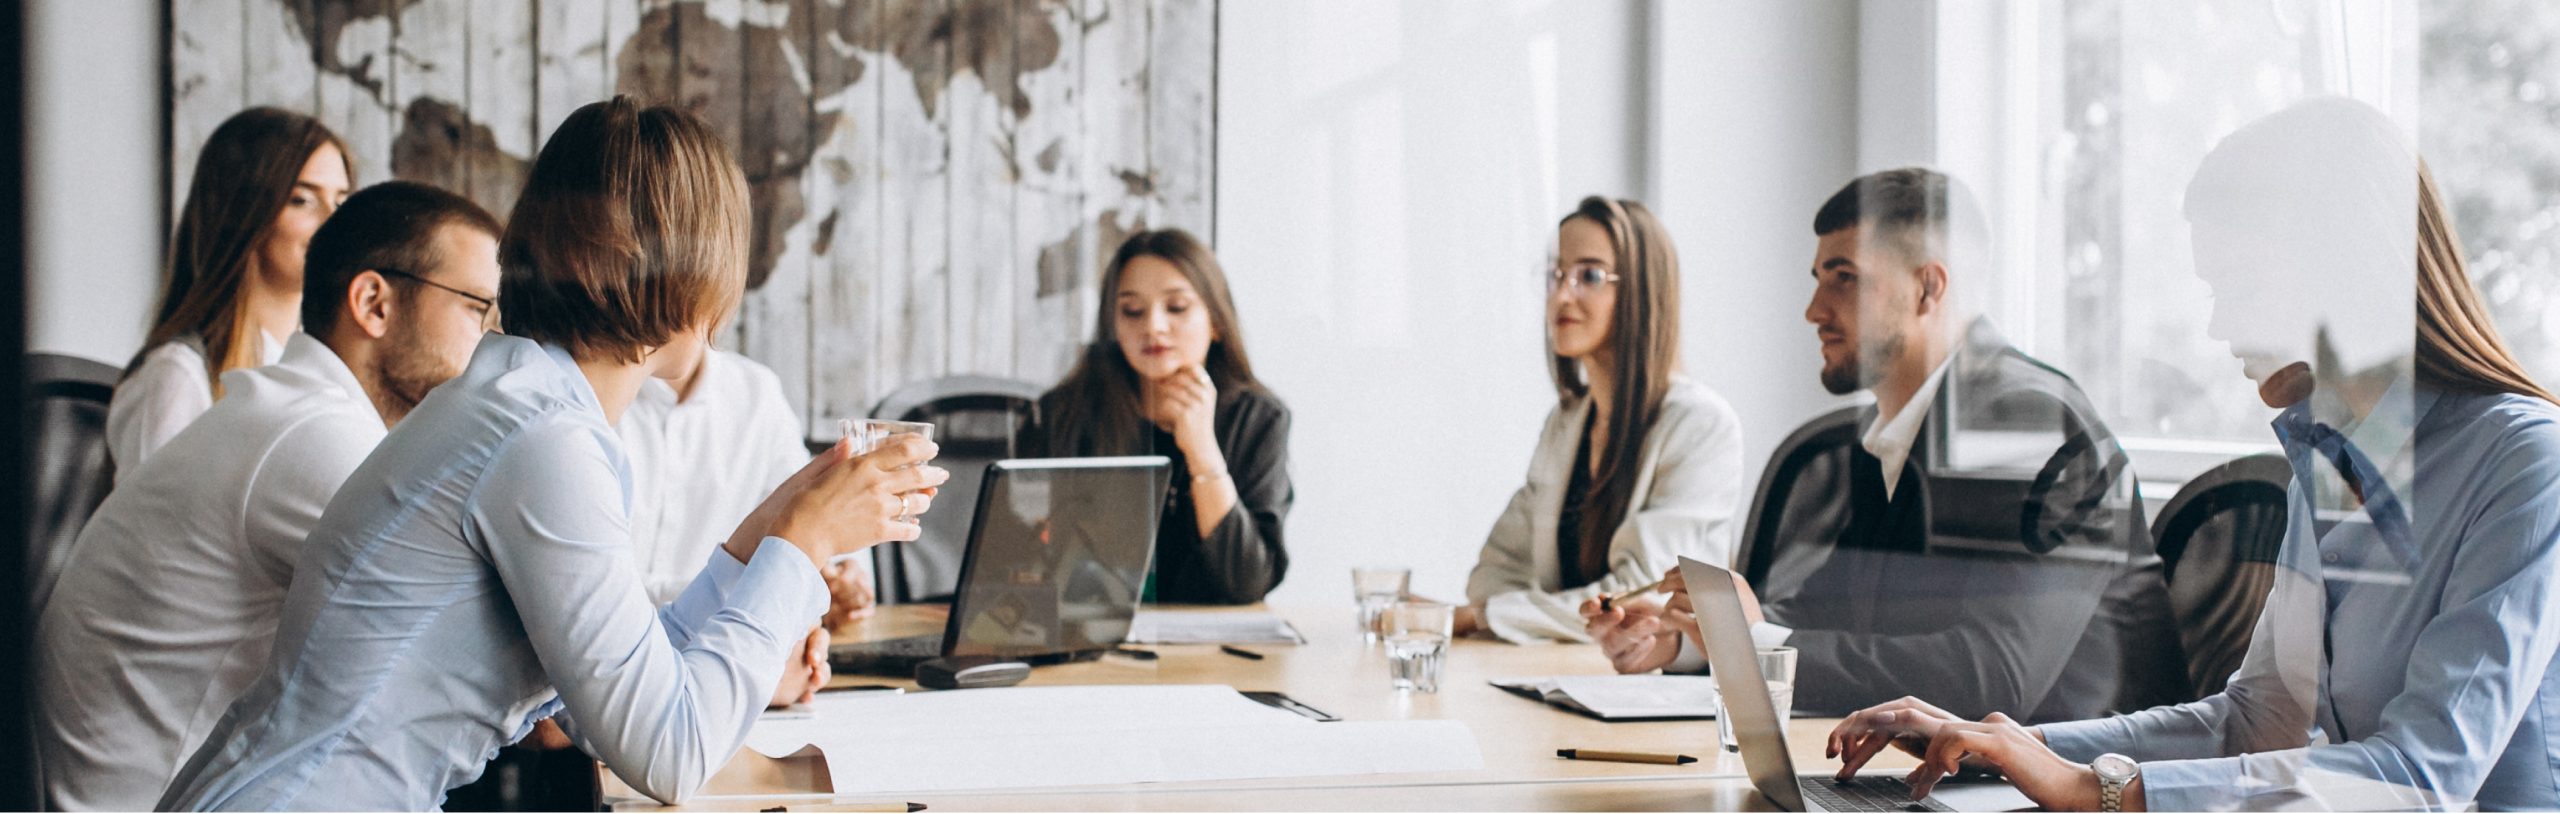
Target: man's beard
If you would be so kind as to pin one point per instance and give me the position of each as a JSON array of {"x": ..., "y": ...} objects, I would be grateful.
[
  {"x": 406, "y": 370},
  {"x": 1860, "y": 370}
]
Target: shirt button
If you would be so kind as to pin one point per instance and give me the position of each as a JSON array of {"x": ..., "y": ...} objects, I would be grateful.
[{"x": 2331, "y": 559}]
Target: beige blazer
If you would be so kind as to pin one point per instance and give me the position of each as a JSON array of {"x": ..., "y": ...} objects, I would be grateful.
[{"x": 1687, "y": 502}]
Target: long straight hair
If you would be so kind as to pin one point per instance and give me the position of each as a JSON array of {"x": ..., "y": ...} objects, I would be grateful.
[
  {"x": 1099, "y": 410},
  {"x": 243, "y": 178},
  {"x": 2459, "y": 347},
  {"x": 1643, "y": 350}
]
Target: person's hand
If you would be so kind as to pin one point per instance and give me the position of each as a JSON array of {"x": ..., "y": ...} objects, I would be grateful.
[
  {"x": 1906, "y": 723},
  {"x": 849, "y": 506},
  {"x": 2021, "y": 757},
  {"x": 1467, "y": 620},
  {"x": 849, "y": 595},
  {"x": 804, "y": 672},
  {"x": 1677, "y": 586},
  {"x": 547, "y": 736},
  {"x": 1185, "y": 405},
  {"x": 1638, "y": 637}
]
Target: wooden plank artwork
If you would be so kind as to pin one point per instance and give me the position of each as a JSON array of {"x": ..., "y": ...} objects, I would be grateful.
[{"x": 936, "y": 183}]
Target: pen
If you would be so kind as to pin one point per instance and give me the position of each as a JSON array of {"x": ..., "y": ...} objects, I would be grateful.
[
  {"x": 1607, "y": 600},
  {"x": 1625, "y": 757},
  {"x": 1132, "y": 652},
  {"x": 1239, "y": 652},
  {"x": 898, "y": 808}
]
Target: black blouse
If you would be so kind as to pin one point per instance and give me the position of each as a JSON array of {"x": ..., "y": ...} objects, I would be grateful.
[{"x": 1242, "y": 559}]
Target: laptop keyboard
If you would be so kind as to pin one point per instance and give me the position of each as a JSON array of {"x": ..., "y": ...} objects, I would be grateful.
[
  {"x": 901, "y": 647},
  {"x": 1862, "y": 794}
]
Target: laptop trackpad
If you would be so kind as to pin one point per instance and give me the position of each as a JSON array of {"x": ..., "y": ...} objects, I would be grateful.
[{"x": 1986, "y": 795}]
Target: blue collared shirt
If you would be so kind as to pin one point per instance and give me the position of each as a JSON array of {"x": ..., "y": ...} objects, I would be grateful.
[
  {"x": 473, "y": 577},
  {"x": 2404, "y": 657}
]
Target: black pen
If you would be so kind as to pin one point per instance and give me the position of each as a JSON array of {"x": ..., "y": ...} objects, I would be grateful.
[
  {"x": 1239, "y": 652},
  {"x": 1132, "y": 652}
]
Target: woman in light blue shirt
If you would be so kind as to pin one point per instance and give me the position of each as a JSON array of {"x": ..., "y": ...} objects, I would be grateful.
[
  {"x": 2404, "y": 657},
  {"x": 474, "y": 576}
]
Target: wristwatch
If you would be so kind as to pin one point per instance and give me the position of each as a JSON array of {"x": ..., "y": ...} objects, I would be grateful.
[{"x": 2114, "y": 773}]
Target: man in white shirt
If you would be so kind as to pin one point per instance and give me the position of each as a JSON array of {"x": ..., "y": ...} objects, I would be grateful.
[
  {"x": 705, "y": 450},
  {"x": 1976, "y": 546},
  {"x": 168, "y": 605}
]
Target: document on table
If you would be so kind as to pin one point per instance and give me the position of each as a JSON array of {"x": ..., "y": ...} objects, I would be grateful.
[
  {"x": 1036, "y": 737},
  {"x": 1211, "y": 627},
  {"x": 1622, "y": 698}
]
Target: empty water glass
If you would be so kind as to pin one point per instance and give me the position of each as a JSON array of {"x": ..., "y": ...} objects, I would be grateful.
[
  {"x": 1418, "y": 643},
  {"x": 1778, "y": 668},
  {"x": 1376, "y": 587}
]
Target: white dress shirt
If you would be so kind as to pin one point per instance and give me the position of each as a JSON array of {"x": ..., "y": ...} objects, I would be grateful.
[
  {"x": 700, "y": 465},
  {"x": 1890, "y": 438},
  {"x": 167, "y": 606},
  {"x": 474, "y": 577},
  {"x": 164, "y": 394}
]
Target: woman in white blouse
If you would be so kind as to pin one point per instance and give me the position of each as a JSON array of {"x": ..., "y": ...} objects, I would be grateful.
[
  {"x": 264, "y": 182},
  {"x": 1638, "y": 464}
]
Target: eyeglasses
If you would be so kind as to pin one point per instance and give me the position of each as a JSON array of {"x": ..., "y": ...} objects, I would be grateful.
[
  {"x": 1579, "y": 277},
  {"x": 488, "y": 305}
]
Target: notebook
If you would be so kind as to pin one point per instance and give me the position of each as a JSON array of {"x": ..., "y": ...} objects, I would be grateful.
[{"x": 1621, "y": 698}]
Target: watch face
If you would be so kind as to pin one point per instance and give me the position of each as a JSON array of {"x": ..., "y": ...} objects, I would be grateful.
[{"x": 2115, "y": 768}]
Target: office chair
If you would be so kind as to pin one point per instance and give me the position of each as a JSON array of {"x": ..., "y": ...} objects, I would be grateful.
[
  {"x": 67, "y": 409},
  {"x": 2218, "y": 540},
  {"x": 1778, "y": 506},
  {"x": 975, "y": 420}
]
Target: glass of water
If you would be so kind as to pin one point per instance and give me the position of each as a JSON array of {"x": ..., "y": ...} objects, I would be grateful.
[
  {"x": 1377, "y": 587},
  {"x": 1418, "y": 643},
  {"x": 1778, "y": 668}
]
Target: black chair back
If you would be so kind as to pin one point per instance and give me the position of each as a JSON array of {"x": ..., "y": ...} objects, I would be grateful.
[
  {"x": 975, "y": 421},
  {"x": 1779, "y": 506},
  {"x": 66, "y": 403},
  {"x": 2218, "y": 540}
]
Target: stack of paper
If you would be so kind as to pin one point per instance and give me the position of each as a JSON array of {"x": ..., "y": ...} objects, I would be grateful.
[
  {"x": 1031, "y": 737},
  {"x": 1211, "y": 627},
  {"x": 1622, "y": 698}
]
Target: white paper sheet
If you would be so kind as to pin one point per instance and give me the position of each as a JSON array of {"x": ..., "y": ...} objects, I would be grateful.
[
  {"x": 1032, "y": 737},
  {"x": 1211, "y": 627},
  {"x": 1626, "y": 696}
]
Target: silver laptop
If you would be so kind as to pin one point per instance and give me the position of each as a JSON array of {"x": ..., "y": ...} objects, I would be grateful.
[{"x": 1763, "y": 738}]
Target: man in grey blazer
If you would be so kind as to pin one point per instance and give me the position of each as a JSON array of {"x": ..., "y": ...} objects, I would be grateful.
[{"x": 1978, "y": 545}]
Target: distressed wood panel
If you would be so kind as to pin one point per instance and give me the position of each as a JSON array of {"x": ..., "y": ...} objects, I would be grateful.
[
  {"x": 1180, "y": 113},
  {"x": 572, "y": 61},
  {"x": 982, "y": 101},
  {"x": 1049, "y": 199},
  {"x": 937, "y": 183},
  {"x": 206, "y": 83},
  {"x": 845, "y": 184},
  {"x": 353, "y": 54},
  {"x": 277, "y": 58}
]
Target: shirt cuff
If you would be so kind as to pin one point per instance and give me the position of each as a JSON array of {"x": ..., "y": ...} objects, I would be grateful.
[
  {"x": 1690, "y": 661},
  {"x": 778, "y": 587},
  {"x": 2189, "y": 785},
  {"x": 1770, "y": 634},
  {"x": 2084, "y": 741}
]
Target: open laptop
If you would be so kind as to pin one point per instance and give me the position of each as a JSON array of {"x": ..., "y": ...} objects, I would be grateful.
[
  {"x": 1057, "y": 558},
  {"x": 1763, "y": 738}
]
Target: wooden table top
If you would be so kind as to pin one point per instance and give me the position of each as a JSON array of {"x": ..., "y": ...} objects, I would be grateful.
[{"x": 1338, "y": 673}]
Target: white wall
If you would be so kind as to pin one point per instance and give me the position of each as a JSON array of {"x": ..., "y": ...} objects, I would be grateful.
[
  {"x": 1390, "y": 175},
  {"x": 93, "y": 187}
]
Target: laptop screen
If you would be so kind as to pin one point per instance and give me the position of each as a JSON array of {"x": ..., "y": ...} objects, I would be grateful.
[{"x": 1058, "y": 556}]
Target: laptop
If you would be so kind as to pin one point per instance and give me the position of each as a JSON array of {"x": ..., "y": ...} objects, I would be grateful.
[
  {"x": 1763, "y": 738},
  {"x": 1057, "y": 558}
]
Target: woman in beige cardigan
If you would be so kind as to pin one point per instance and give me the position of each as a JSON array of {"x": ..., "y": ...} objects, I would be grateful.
[{"x": 1638, "y": 465}]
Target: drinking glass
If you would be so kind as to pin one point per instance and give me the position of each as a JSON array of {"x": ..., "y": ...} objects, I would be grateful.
[
  {"x": 1376, "y": 587},
  {"x": 1778, "y": 668},
  {"x": 867, "y": 435},
  {"x": 1418, "y": 643}
]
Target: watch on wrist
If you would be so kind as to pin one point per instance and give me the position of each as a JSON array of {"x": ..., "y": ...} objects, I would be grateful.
[{"x": 2114, "y": 773}]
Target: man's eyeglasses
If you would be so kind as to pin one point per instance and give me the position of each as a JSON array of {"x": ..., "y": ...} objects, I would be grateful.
[
  {"x": 488, "y": 305},
  {"x": 1579, "y": 277}
]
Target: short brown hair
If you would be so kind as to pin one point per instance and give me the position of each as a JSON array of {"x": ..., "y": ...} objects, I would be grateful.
[
  {"x": 390, "y": 226},
  {"x": 631, "y": 231}
]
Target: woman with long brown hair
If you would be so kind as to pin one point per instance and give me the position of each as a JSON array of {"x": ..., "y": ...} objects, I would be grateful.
[
  {"x": 1166, "y": 374},
  {"x": 1638, "y": 466},
  {"x": 2411, "y": 619},
  {"x": 266, "y": 180}
]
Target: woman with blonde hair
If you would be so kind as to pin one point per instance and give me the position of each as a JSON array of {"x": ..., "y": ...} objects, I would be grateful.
[{"x": 265, "y": 181}]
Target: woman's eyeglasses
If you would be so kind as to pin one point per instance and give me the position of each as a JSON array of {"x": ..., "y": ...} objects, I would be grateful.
[{"x": 1579, "y": 277}]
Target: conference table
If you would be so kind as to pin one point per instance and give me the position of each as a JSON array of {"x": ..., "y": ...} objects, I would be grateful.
[{"x": 1338, "y": 673}]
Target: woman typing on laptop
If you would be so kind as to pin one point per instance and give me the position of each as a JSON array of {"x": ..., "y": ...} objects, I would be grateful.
[{"x": 2403, "y": 657}]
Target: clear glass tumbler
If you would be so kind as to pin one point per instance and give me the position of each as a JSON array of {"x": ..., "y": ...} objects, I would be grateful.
[
  {"x": 1376, "y": 587},
  {"x": 1778, "y": 668},
  {"x": 1418, "y": 643}
]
